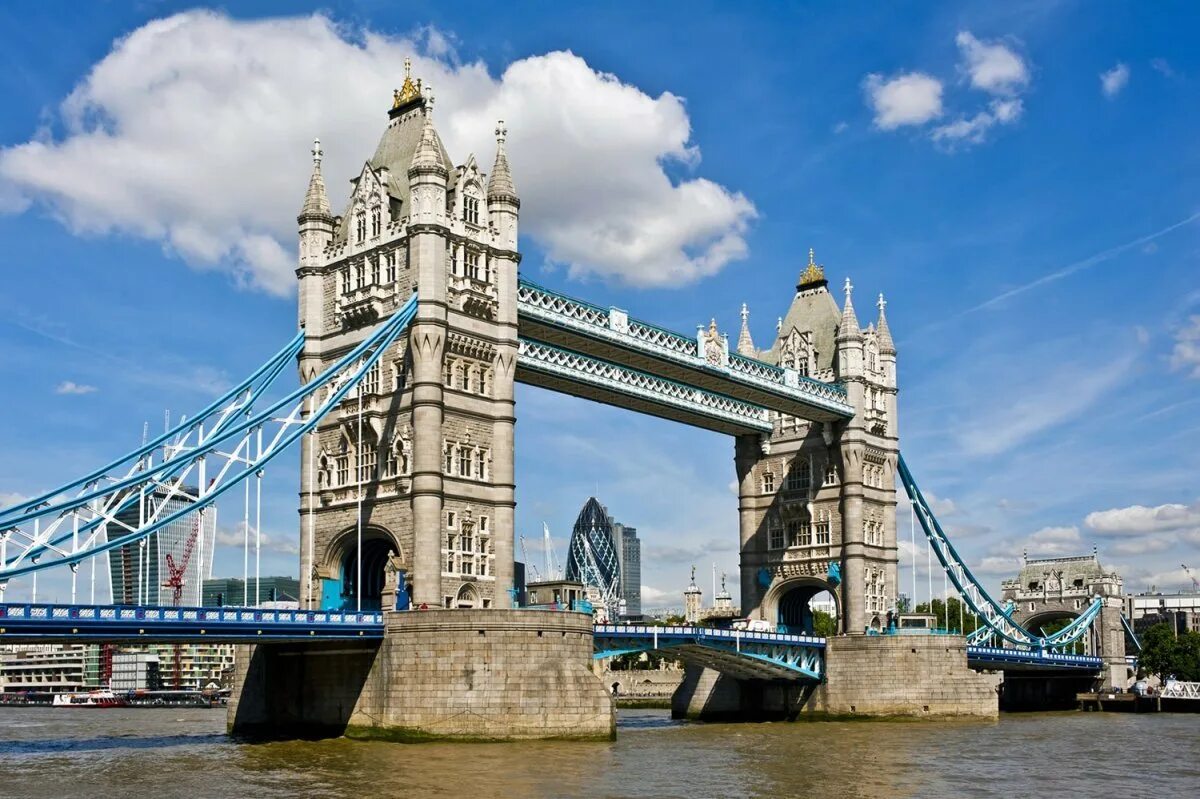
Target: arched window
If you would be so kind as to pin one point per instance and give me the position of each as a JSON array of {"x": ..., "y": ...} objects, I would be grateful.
[
  {"x": 360, "y": 226},
  {"x": 800, "y": 477},
  {"x": 480, "y": 462},
  {"x": 376, "y": 221},
  {"x": 471, "y": 209},
  {"x": 448, "y": 460}
]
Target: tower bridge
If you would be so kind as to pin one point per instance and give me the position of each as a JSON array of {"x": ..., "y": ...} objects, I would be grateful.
[{"x": 415, "y": 326}]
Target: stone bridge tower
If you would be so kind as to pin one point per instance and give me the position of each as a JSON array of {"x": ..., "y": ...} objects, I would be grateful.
[
  {"x": 418, "y": 465},
  {"x": 817, "y": 501},
  {"x": 1056, "y": 589}
]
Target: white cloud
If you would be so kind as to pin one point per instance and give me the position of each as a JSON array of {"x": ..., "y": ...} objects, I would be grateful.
[
  {"x": 235, "y": 538},
  {"x": 1143, "y": 519},
  {"x": 1186, "y": 354},
  {"x": 991, "y": 66},
  {"x": 1163, "y": 67},
  {"x": 912, "y": 98},
  {"x": 1114, "y": 80},
  {"x": 1054, "y": 541},
  {"x": 194, "y": 131},
  {"x": 70, "y": 387},
  {"x": 973, "y": 130}
]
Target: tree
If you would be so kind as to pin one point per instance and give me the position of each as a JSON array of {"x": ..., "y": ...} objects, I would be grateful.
[
  {"x": 1166, "y": 655},
  {"x": 824, "y": 624}
]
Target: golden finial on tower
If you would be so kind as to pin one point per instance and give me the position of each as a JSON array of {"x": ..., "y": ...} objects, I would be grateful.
[
  {"x": 813, "y": 274},
  {"x": 408, "y": 90}
]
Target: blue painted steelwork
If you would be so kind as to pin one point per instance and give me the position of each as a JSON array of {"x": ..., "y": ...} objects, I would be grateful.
[
  {"x": 230, "y": 444},
  {"x": 558, "y": 311},
  {"x": 972, "y": 591},
  {"x": 754, "y": 655},
  {"x": 982, "y": 634},
  {"x": 46, "y": 623},
  {"x": 586, "y": 370},
  {"x": 1132, "y": 634},
  {"x": 987, "y": 656}
]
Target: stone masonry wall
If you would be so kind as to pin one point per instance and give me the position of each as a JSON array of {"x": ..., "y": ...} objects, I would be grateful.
[
  {"x": 922, "y": 676},
  {"x": 482, "y": 674}
]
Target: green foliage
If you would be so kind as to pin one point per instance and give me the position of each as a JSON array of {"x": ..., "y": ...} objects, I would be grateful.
[
  {"x": 636, "y": 661},
  {"x": 950, "y": 621},
  {"x": 824, "y": 624},
  {"x": 1166, "y": 655}
]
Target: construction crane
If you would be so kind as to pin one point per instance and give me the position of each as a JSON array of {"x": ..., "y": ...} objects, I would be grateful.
[
  {"x": 525, "y": 557},
  {"x": 175, "y": 582},
  {"x": 1192, "y": 577}
]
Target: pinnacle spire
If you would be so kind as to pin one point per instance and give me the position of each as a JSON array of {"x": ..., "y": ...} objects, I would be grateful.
[
  {"x": 884, "y": 334},
  {"x": 813, "y": 276},
  {"x": 500, "y": 183},
  {"x": 849, "y": 327},
  {"x": 745, "y": 345},
  {"x": 315, "y": 200},
  {"x": 428, "y": 155}
]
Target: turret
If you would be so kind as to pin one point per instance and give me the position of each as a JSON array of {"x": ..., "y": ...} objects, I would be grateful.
[
  {"x": 887, "y": 348},
  {"x": 745, "y": 345},
  {"x": 316, "y": 232},
  {"x": 503, "y": 203},
  {"x": 849, "y": 340},
  {"x": 428, "y": 173}
]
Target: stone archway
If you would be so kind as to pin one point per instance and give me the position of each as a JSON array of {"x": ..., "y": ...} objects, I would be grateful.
[
  {"x": 467, "y": 597},
  {"x": 340, "y": 586},
  {"x": 788, "y": 603}
]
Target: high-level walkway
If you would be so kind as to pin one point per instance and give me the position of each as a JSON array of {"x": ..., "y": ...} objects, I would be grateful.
[{"x": 572, "y": 346}]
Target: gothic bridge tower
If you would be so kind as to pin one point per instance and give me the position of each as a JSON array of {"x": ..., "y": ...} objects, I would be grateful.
[
  {"x": 418, "y": 465},
  {"x": 817, "y": 501}
]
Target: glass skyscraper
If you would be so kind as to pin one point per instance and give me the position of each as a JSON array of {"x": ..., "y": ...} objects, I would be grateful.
[
  {"x": 606, "y": 555},
  {"x": 139, "y": 573}
]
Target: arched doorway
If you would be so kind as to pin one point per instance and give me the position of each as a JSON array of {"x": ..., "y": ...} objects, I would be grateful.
[
  {"x": 807, "y": 607},
  {"x": 341, "y": 592},
  {"x": 1049, "y": 622}
]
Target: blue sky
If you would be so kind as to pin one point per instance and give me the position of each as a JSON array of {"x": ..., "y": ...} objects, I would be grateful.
[{"x": 1018, "y": 180}]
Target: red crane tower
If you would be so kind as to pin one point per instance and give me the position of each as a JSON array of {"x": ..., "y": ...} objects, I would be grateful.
[{"x": 175, "y": 582}]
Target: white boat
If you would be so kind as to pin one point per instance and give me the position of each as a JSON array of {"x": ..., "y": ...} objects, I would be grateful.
[{"x": 89, "y": 699}]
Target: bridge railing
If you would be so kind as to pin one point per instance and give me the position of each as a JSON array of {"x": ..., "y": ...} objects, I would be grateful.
[
  {"x": 712, "y": 633},
  {"x": 14, "y": 615}
]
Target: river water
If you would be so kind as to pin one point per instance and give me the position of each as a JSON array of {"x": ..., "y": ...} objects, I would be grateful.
[{"x": 57, "y": 753}]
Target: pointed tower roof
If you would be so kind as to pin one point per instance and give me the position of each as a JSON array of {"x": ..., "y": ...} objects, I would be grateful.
[
  {"x": 813, "y": 276},
  {"x": 428, "y": 155},
  {"x": 745, "y": 345},
  {"x": 500, "y": 183},
  {"x": 886, "y": 345},
  {"x": 315, "y": 201},
  {"x": 849, "y": 327}
]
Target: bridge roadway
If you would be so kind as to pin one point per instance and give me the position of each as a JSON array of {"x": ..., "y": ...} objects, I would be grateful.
[
  {"x": 740, "y": 653},
  {"x": 573, "y": 346}
]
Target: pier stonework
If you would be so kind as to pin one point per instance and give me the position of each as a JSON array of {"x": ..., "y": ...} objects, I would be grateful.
[
  {"x": 865, "y": 676},
  {"x": 439, "y": 674}
]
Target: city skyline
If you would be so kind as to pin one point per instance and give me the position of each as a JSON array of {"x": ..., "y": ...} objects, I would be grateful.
[{"x": 990, "y": 171}]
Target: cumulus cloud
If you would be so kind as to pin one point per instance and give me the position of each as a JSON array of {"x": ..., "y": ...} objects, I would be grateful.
[
  {"x": 993, "y": 67},
  {"x": 235, "y": 537},
  {"x": 1186, "y": 353},
  {"x": 1114, "y": 80},
  {"x": 1142, "y": 519},
  {"x": 194, "y": 131},
  {"x": 912, "y": 98},
  {"x": 71, "y": 387},
  {"x": 1054, "y": 541}
]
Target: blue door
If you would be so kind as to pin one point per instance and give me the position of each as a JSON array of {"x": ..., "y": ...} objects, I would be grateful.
[{"x": 331, "y": 594}]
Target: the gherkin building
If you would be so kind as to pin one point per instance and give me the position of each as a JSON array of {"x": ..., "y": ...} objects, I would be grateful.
[{"x": 592, "y": 559}]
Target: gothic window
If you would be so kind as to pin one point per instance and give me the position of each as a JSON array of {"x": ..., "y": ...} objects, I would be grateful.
[
  {"x": 448, "y": 373},
  {"x": 360, "y": 275},
  {"x": 465, "y": 378},
  {"x": 768, "y": 483},
  {"x": 360, "y": 226},
  {"x": 345, "y": 275},
  {"x": 451, "y": 519},
  {"x": 376, "y": 221},
  {"x": 472, "y": 265},
  {"x": 831, "y": 476},
  {"x": 447, "y": 459},
  {"x": 374, "y": 270},
  {"x": 464, "y": 462},
  {"x": 389, "y": 263},
  {"x": 471, "y": 209},
  {"x": 799, "y": 533},
  {"x": 366, "y": 462},
  {"x": 479, "y": 463},
  {"x": 800, "y": 477},
  {"x": 467, "y": 566},
  {"x": 370, "y": 382},
  {"x": 485, "y": 383},
  {"x": 389, "y": 461},
  {"x": 774, "y": 533},
  {"x": 822, "y": 537},
  {"x": 342, "y": 469},
  {"x": 397, "y": 375}
]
